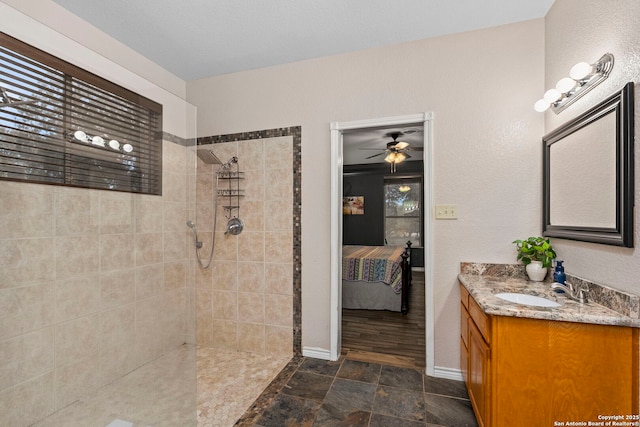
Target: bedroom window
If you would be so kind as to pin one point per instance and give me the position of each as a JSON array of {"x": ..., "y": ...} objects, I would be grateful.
[
  {"x": 62, "y": 125},
  {"x": 403, "y": 211}
]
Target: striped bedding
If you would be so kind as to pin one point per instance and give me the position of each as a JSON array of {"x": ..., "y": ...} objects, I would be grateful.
[{"x": 373, "y": 264}]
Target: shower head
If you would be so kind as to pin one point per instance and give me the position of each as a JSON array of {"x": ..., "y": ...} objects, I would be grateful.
[
  {"x": 208, "y": 157},
  {"x": 191, "y": 225}
]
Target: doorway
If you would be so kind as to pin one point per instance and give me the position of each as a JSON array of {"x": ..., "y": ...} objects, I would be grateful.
[{"x": 338, "y": 130}]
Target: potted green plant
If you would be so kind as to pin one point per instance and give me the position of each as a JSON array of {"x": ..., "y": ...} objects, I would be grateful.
[{"x": 537, "y": 254}]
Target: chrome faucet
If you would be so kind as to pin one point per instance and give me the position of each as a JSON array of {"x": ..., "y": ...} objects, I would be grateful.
[{"x": 581, "y": 295}]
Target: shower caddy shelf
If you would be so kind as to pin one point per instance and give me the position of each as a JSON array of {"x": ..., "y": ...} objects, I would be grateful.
[{"x": 232, "y": 193}]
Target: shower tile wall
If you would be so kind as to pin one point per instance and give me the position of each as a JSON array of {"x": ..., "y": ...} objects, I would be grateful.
[
  {"x": 92, "y": 285},
  {"x": 245, "y": 301}
]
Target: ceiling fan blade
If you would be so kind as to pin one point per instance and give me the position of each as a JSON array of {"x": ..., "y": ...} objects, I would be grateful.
[
  {"x": 376, "y": 155},
  {"x": 415, "y": 149},
  {"x": 401, "y": 145}
]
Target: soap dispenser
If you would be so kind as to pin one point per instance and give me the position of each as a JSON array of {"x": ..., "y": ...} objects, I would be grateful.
[{"x": 558, "y": 274}]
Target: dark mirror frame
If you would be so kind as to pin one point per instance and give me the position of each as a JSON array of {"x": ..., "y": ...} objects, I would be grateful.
[{"x": 621, "y": 103}]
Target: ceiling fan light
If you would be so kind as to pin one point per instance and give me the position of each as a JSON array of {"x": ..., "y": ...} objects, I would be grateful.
[
  {"x": 391, "y": 158},
  {"x": 400, "y": 157}
]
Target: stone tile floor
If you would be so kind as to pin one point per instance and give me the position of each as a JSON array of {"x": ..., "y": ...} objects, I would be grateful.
[{"x": 317, "y": 393}]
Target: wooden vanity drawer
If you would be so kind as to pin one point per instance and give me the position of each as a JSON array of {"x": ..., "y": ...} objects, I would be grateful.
[{"x": 480, "y": 319}]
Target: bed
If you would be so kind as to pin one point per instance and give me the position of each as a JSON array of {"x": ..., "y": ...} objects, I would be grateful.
[{"x": 376, "y": 277}]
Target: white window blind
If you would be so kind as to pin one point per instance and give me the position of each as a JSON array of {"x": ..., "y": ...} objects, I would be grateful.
[{"x": 60, "y": 124}]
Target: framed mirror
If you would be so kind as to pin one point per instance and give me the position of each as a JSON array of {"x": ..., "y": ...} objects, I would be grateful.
[{"x": 588, "y": 179}]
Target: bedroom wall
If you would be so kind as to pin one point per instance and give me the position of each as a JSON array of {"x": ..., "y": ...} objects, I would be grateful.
[
  {"x": 480, "y": 86},
  {"x": 575, "y": 33}
]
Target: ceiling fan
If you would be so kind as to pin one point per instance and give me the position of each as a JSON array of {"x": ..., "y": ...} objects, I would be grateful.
[{"x": 396, "y": 151}]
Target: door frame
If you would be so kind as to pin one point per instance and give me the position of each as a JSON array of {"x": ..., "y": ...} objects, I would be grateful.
[{"x": 337, "y": 149}]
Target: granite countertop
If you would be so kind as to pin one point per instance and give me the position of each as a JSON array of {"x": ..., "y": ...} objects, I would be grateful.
[{"x": 483, "y": 289}]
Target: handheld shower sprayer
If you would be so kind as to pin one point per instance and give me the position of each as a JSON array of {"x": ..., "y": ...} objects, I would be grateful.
[{"x": 192, "y": 226}]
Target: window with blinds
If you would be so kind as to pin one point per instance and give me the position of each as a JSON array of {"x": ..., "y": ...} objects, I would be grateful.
[{"x": 60, "y": 124}]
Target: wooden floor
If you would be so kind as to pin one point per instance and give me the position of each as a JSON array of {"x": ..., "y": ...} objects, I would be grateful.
[{"x": 381, "y": 336}]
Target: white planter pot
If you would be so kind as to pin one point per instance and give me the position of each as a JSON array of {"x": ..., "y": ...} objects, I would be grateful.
[{"x": 536, "y": 271}]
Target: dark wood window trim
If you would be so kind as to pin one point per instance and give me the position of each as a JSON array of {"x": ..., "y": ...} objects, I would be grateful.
[{"x": 62, "y": 125}]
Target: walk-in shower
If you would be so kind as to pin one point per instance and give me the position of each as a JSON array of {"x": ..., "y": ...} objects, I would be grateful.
[{"x": 232, "y": 194}]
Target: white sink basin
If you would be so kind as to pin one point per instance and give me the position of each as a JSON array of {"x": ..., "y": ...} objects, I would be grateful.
[{"x": 527, "y": 299}]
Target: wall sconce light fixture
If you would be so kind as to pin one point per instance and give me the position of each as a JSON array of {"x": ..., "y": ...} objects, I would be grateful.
[
  {"x": 582, "y": 78},
  {"x": 100, "y": 142}
]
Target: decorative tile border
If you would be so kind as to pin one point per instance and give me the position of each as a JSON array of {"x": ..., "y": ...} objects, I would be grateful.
[
  {"x": 619, "y": 301},
  {"x": 296, "y": 133},
  {"x": 185, "y": 142}
]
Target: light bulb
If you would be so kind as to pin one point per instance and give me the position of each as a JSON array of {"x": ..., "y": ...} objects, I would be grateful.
[
  {"x": 552, "y": 95},
  {"x": 580, "y": 71},
  {"x": 114, "y": 144},
  {"x": 541, "y": 105},
  {"x": 565, "y": 85},
  {"x": 80, "y": 136},
  {"x": 127, "y": 148},
  {"x": 97, "y": 140}
]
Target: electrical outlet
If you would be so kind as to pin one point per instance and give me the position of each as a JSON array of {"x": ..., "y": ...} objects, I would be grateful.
[{"x": 446, "y": 211}]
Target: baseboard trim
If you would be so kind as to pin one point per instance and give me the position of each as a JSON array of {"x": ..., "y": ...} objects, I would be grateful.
[
  {"x": 448, "y": 373},
  {"x": 316, "y": 353}
]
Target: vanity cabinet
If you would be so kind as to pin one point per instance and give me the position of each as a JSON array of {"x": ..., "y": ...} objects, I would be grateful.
[{"x": 525, "y": 372}]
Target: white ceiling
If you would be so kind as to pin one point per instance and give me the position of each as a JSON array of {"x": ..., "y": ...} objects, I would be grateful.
[{"x": 200, "y": 38}]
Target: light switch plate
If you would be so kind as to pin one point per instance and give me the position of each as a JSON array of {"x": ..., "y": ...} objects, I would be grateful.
[{"x": 446, "y": 211}]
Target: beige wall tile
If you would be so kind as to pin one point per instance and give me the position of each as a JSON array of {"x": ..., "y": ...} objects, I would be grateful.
[
  {"x": 76, "y": 255},
  {"x": 77, "y": 296},
  {"x": 149, "y": 329},
  {"x": 251, "y": 155},
  {"x": 279, "y": 340},
  {"x": 278, "y": 246},
  {"x": 175, "y": 246},
  {"x": 75, "y": 380},
  {"x": 77, "y": 340},
  {"x": 117, "y": 252},
  {"x": 280, "y": 184},
  {"x": 251, "y": 337},
  {"x": 117, "y": 342},
  {"x": 148, "y": 248},
  {"x": 117, "y": 214},
  {"x": 226, "y": 247},
  {"x": 225, "y": 275},
  {"x": 175, "y": 303},
  {"x": 279, "y": 278},
  {"x": 278, "y": 215},
  {"x": 174, "y": 187},
  {"x": 175, "y": 216},
  {"x": 26, "y": 357},
  {"x": 225, "y": 334},
  {"x": 175, "y": 274},
  {"x": 204, "y": 316},
  {"x": 26, "y": 261},
  {"x": 278, "y": 310},
  {"x": 225, "y": 305},
  {"x": 27, "y": 402},
  {"x": 26, "y": 309},
  {"x": 77, "y": 211},
  {"x": 26, "y": 212},
  {"x": 148, "y": 212},
  {"x": 279, "y": 153},
  {"x": 149, "y": 280},
  {"x": 251, "y": 276},
  {"x": 251, "y": 246},
  {"x": 117, "y": 288},
  {"x": 252, "y": 214},
  {"x": 251, "y": 307},
  {"x": 254, "y": 185}
]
